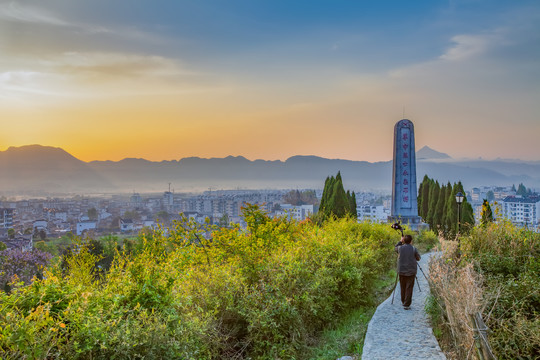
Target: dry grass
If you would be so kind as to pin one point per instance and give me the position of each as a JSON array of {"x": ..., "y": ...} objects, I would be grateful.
[{"x": 458, "y": 291}]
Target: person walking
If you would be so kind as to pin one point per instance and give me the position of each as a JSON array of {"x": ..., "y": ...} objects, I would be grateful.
[{"x": 407, "y": 257}]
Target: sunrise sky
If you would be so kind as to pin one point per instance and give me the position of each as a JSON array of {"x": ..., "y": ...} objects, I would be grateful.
[{"x": 269, "y": 79}]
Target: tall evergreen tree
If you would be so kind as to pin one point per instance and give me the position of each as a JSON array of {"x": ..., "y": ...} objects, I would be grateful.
[
  {"x": 335, "y": 201},
  {"x": 328, "y": 184},
  {"x": 451, "y": 214},
  {"x": 487, "y": 213},
  {"x": 432, "y": 208},
  {"x": 467, "y": 215},
  {"x": 447, "y": 198},
  {"x": 419, "y": 198},
  {"x": 426, "y": 197},
  {"x": 439, "y": 210},
  {"x": 521, "y": 190},
  {"x": 340, "y": 202},
  {"x": 423, "y": 196},
  {"x": 353, "y": 205}
]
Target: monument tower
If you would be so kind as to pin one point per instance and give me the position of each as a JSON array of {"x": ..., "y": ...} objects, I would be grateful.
[{"x": 404, "y": 190}]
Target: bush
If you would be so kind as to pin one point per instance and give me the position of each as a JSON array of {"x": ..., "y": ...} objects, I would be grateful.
[
  {"x": 507, "y": 259},
  {"x": 426, "y": 241},
  {"x": 17, "y": 265},
  {"x": 198, "y": 292}
]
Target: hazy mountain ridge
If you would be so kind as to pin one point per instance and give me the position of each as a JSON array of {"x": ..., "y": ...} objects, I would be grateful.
[
  {"x": 428, "y": 153},
  {"x": 34, "y": 169}
]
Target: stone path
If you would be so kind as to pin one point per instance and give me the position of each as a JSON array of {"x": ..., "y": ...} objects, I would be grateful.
[{"x": 395, "y": 333}]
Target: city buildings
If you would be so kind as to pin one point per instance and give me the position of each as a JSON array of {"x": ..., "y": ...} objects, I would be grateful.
[
  {"x": 6, "y": 218},
  {"x": 522, "y": 211},
  {"x": 296, "y": 212}
]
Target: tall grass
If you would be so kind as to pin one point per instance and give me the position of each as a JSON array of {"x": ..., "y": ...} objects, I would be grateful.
[{"x": 498, "y": 275}]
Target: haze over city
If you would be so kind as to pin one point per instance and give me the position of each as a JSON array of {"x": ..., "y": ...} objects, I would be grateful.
[{"x": 270, "y": 79}]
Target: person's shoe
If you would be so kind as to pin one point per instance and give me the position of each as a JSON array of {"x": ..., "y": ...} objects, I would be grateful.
[{"x": 406, "y": 307}]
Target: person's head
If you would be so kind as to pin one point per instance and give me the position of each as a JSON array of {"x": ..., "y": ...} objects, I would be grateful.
[{"x": 407, "y": 239}]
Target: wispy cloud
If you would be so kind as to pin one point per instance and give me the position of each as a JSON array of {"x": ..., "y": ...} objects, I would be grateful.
[
  {"x": 468, "y": 46},
  {"x": 14, "y": 11}
]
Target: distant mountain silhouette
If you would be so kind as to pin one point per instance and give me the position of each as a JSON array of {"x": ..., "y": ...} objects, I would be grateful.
[
  {"x": 40, "y": 170},
  {"x": 427, "y": 153},
  {"x": 37, "y": 170}
]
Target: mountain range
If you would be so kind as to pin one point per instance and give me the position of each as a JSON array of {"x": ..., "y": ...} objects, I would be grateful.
[{"x": 42, "y": 170}]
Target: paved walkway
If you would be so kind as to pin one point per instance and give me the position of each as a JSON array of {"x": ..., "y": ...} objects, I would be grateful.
[{"x": 395, "y": 333}]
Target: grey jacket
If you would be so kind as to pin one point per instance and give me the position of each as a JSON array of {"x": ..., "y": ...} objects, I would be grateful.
[{"x": 408, "y": 256}]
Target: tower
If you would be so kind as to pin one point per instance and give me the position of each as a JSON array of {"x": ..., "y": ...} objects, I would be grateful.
[{"x": 404, "y": 190}]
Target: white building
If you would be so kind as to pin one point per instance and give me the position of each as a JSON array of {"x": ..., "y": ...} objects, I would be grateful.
[
  {"x": 372, "y": 213},
  {"x": 6, "y": 218},
  {"x": 522, "y": 211},
  {"x": 126, "y": 225},
  {"x": 40, "y": 224},
  {"x": 83, "y": 226},
  {"x": 296, "y": 212}
]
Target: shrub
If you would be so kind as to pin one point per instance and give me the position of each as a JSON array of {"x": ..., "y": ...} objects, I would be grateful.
[
  {"x": 21, "y": 265},
  {"x": 507, "y": 259},
  {"x": 191, "y": 293}
]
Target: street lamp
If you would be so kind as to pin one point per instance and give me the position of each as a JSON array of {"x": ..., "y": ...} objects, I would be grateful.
[{"x": 459, "y": 200}]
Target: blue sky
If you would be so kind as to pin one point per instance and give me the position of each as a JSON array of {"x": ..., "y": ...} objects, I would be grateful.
[{"x": 270, "y": 79}]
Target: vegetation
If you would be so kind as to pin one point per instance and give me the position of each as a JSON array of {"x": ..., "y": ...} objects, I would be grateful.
[
  {"x": 198, "y": 292},
  {"x": 306, "y": 197},
  {"x": 522, "y": 190},
  {"x": 498, "y": 275},
  {"x": 487, "y": 213},
  {"x": 335, "y": 202},
  {"x": 438, "y": 207}
]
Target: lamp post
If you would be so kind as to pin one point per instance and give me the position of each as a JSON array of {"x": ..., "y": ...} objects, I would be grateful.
[{"x": 459, "y": 200}]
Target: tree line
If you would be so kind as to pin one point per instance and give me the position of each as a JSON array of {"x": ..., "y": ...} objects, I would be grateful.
[{"x": 438, "y": 207}]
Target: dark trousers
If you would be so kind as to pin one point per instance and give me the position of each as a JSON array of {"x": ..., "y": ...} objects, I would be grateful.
[{"x": 406, "y": 284}]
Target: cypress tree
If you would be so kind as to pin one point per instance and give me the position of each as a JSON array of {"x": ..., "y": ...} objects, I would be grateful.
[
  {"x": 327, "y": 192},
  {"x": 467, "y": 213},
  {"x": 335, "y": 201},
  {"x": 353, "y": 205},
  {"x": 419, "y": 198},
  {"x": 451, "y": 214},
  {"x": 422, "y": 197},
  {"x": 487, "y": 213},
  {"x": 439, "y": 210},
  {"x": 433, "y": 197},
  {"x": 425, "y": 197},
  {"x": 447, "y": 198},
  {"x": 340, "y": 201}
]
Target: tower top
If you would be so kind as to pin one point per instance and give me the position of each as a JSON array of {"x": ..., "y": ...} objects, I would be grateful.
[{"x": 405, "y": 123}]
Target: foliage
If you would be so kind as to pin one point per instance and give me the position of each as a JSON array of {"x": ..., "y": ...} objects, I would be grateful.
[
  {"x": 335, "y": 202},
  {"x": 523, "y": 191},
  {"x": 306, "y": 197},
  {"x": 426, "y": 240},
  {"x": 438, "y": 207},
  {"x": 507, "y": 259},
  {"x": 487, "y": 213},
  {"x": 195, "y": 291},
  {"x": 92, "y": 214},
  {"x": 17, "y": 265},
  {"x": 457, "y": 292}
]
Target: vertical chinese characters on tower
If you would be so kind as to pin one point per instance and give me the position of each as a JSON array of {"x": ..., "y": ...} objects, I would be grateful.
[
  {"x": 404, "y": 193},
  {"x": 405, "y": 167}
]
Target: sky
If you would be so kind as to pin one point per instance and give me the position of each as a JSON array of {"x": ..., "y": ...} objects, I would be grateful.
[{"x": 270, "y": 79}]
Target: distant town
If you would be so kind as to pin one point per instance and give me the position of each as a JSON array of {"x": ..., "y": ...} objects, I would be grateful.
[{"x": 23, "y": 222}]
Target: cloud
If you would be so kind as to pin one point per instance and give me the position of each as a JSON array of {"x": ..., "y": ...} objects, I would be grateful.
[
  {"x": 468, "y": 46},
  {"x": 23, "y": 13}
]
